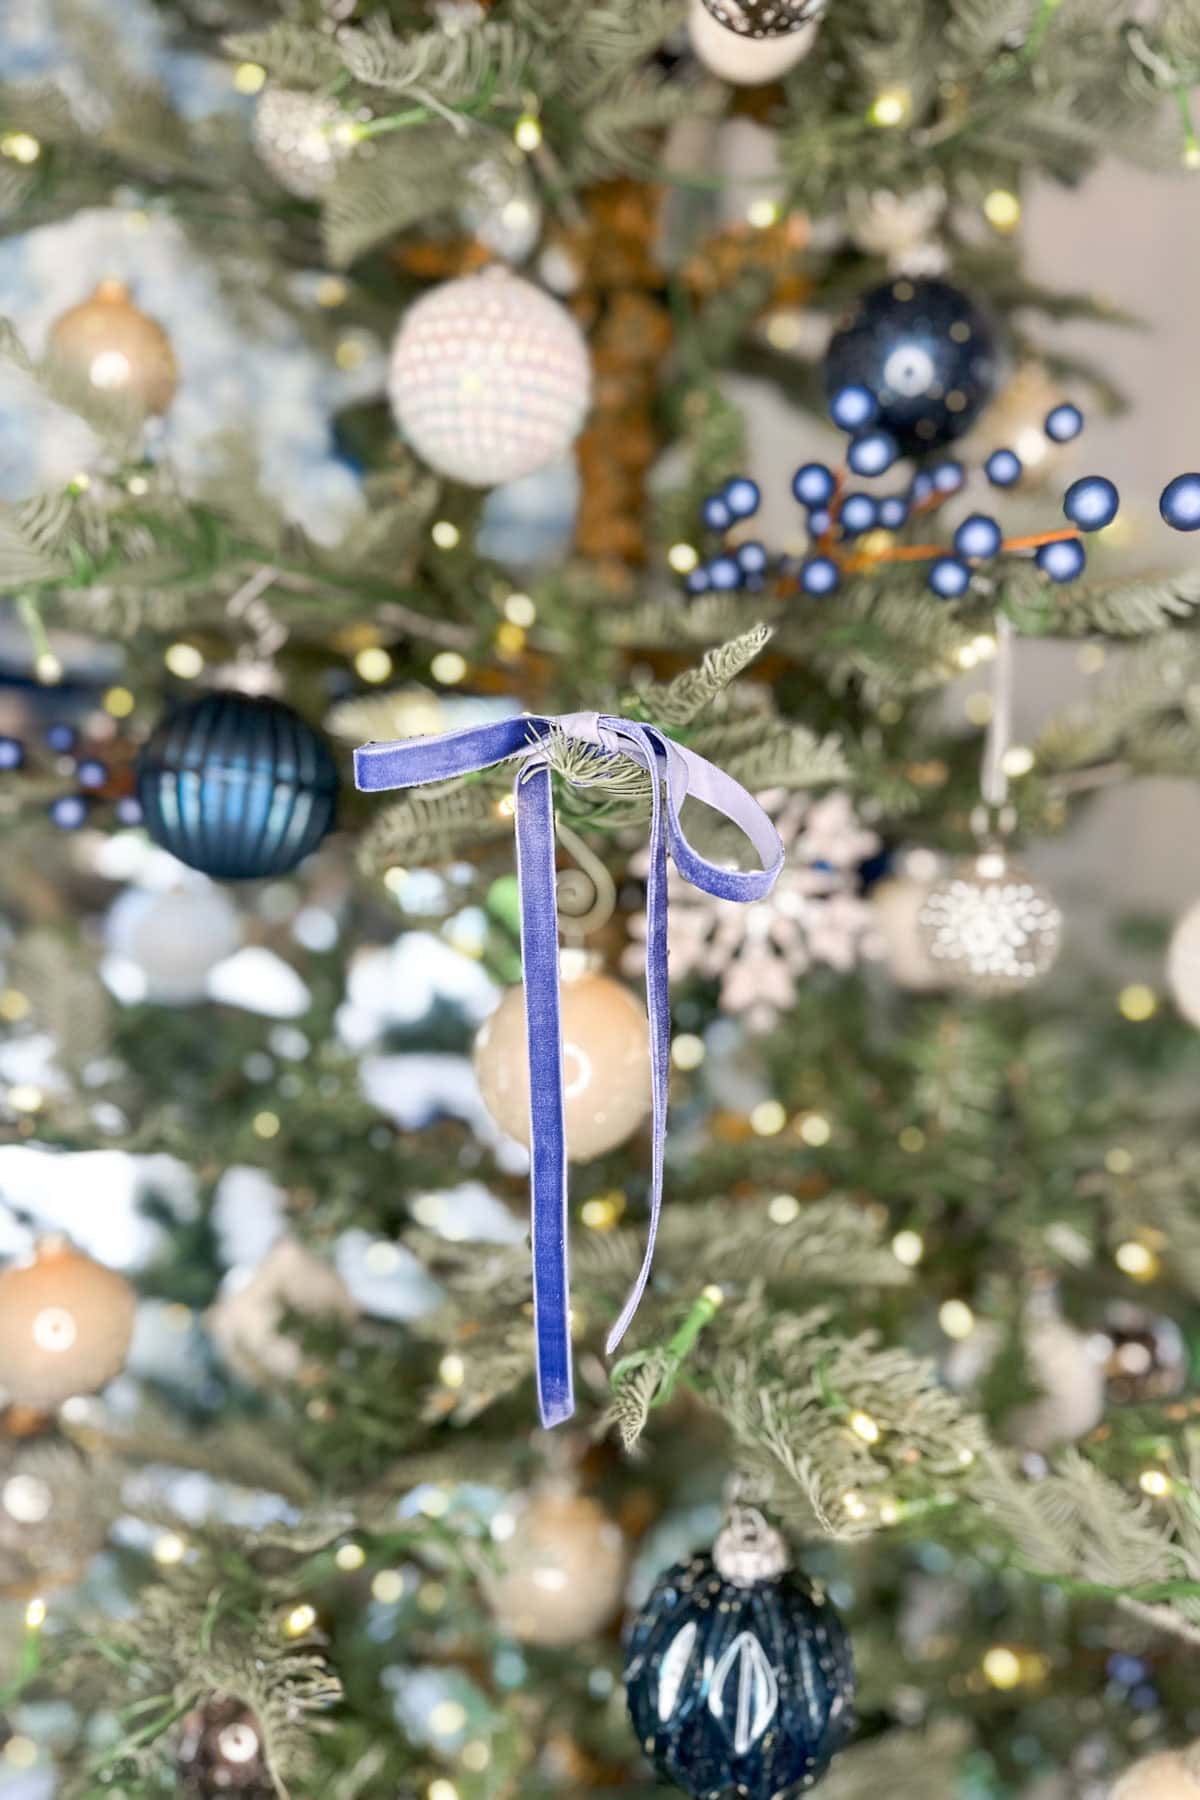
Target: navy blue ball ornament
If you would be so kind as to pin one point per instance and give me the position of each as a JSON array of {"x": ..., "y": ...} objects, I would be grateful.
[
  {"x": 237, "y": 786},
  {"x": 925, "y": 351},
  {"x": 739, "y": 1674}
]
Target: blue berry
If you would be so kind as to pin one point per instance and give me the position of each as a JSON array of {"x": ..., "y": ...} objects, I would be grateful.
[
  {"x": 1064, "y": 423},
  {"x": 872, "y": 453},
  {"x": 129, "y": 810},
  {"x": 12, "y": 753},
  {"x": 69, "y": 811},
  {"x": 90, "y": 772},
  {"x": 948, "y": 477},
  {"x": 1003, "y": 468},
  {"x": 752, "y": 557},
  {"x": 1091, "y": 502},
  {"x": 716, "y": 513},
  {"x": 1180, "y": 503},
  {"x": 742, "y": 496},
  {"x": 820, "y": 575},
  {"x": 949, "y": 578},
  {"x": 853, "y": 407},
  {"x": 1062, "y": 560},
  {"x": 819, "y": 522},
  {"x": 62, "y": 738},
  {"x": 922, "y": 485},
  {"x": 977, "y": 536},
  {"x": 893, "y": 511},
  {"x": 696, "y": 581},
  {"x": 859, "y": 512},
  {"x": 813, "y": 484},
  {"x": 724, "y": 573}
]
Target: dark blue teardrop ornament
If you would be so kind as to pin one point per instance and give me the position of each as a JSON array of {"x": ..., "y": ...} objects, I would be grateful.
[
  {"x": 237, "y": 785},
  {"x": 739, "y": 1688}
]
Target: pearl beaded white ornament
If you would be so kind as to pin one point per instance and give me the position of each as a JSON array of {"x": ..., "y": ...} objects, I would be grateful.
[
  {"x": 989, "y": 926},
  {"x": 1183, "y": 964},
  {"x": 65, "y": 1326},
  {"x": 490, "y": 378},
  {"x": 746, "y": 61},
  {"x": 300, "y": 137},
  {"x": 174, "y": 939},
  {"x": 562, "y": 1567},
  {"x": 606, "y": 1065}
]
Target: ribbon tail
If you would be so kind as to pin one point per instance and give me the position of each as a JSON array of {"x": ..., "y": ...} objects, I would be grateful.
[
  {"x": 547, "y": 1133},
  {"x": 659, "y": 1008}
]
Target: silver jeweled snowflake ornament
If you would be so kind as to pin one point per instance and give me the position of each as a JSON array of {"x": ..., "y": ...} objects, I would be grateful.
[{"x": 989, "y": 926}]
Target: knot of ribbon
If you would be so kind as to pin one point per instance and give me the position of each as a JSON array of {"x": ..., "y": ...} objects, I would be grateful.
[{"x": 676, "y": 773}]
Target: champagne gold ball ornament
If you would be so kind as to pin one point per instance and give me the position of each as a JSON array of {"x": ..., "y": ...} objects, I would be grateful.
[
  {"x": 742, "y": 59},
  {"x": 562, "y": 1567},
  {"x": 301, "y": 138},
  {"x": 1183, "y": 964},
  {"x": 65, "y": 1326},
  {"x": 118, "y": 348},
  {"x": 606, "y": 1065},
  {"x": 989, "y": 926},
  {"x": 54, "y": 1514},
  {"x": 490, "y": 378},
  {"x": 1171, "y": 1775}
]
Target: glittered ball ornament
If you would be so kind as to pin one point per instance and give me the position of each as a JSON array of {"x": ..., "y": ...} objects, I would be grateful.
[
  {"x": 925, "y": 351},
  {"x": 237, "y": 786},
  {"x": 1183, "y": 964},
  {"x": 301, "y": 137},
  {"x": 606, "y": 1063},
  {"x": 501, "y": 209},
  {"x": 117, "y": 348},
  {"x": 990, "y": 927},
  {"x": 746, "y": 61},
  {"x": 561, "y": 1569},
  {"x": 490, "y": 378},
  {"x": 65, "y": 1326},
  {"x": 739, "y": 1675},
  {"x": 173, "y": 939},
  {"x": 220, "y": 1751},
  {"x": 1170, "y": 1775},
  {"x": 54, "y": 1514}
]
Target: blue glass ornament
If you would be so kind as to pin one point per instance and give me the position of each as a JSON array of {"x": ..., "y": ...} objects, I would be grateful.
[
  {"x": 1003, "y": 468},
  {"x": 739, "y": 1689},
  {"x": 1063, "y": 560},
  {"x": 853, "y": 406},
  {"x": 949, "y": 578},
  {"x": 948, "y": 477},
  {"x": 752, "y": 557},
  {"x": 820, "y": 575},
  {"x": 978, "y": 536},
  {"x": 859, "y": 512},
  {"x": 1063, "y": 423},
  {"x": 724, "y": 574},
  {"x": 697, "y": 581},
  {"x": 69, "y": 811},
  {"x": 927, "y": 354},
  {"x": 872, "y": 453},
  {"x": 12, "y": 753},
  {"x": 1091, "y": 502},
  {"x": 813, "y": 484},
  {"x": 62, "y": 738},
  {"x": 90, "y": 772},
  {"x": 716, "y": 514},
  {"x": 237, "y": 786},
  {"x": 742, "y": 496},
  {"x": 893, "y": 511},
  {"x": 1179, "y": 503}
]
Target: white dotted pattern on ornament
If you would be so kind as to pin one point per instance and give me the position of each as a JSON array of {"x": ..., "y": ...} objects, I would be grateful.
[
  {"x": 763, "y": 18},
  {"x": 744, "y": 60},
  {"x": 990, "y": 926},
  {"x": 300, "y": 138},
  {"x": 490, "y": 378}
]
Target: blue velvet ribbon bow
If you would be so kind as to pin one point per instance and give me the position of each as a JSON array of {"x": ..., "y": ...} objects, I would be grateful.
[{"x": 676, "y": 773}]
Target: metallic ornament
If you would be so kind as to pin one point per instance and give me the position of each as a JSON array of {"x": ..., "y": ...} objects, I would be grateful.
[
  {"x": 118, "y": 348},
  {"x": 54, "y": 1514},
  {"x": 301, "y": 137},
  {"x": 990, "y": 926},
  {"x": 490, "y": 378},
  {"x": 237, "y": 786},
  {"x": 764, "y": 18},
  {"x": 739, "y": 1681},
  {"x": 562, "y": 1568},
  {"x": 65, "y": 1326}
]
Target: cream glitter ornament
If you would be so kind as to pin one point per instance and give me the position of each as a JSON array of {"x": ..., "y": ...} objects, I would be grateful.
[
  {"x": 1171, "y": 1775},
  {"x": 121, "y": 350},
  {"x": 746, "y": 61},
  {"x": 55, "y": 1512},
  {"x": 490, "y": 378},
  {"x": 606, "y": 1064},
  {"x": 174, "y": 939},
  {"x": 990, "y": 926},
  {"x": 65, "y": 1326},
  {"x": 301, "y": 137},
  {"x": 562, "y": 1569},
  {"x": 1183, "y": 964}
]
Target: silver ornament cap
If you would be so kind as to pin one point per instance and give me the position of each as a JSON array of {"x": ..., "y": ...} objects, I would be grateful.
[
  {"x": 749, "y": 1550},
  {"x": 989, "y": 926}
]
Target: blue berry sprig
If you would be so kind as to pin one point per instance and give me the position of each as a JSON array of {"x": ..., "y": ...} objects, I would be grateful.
[{"x": 89, "y": 774}]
